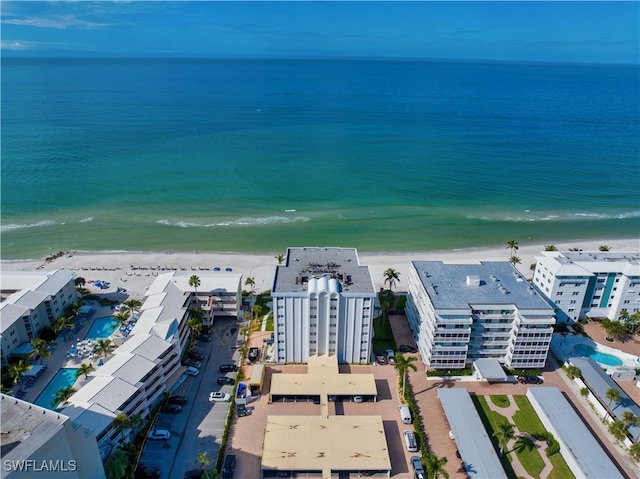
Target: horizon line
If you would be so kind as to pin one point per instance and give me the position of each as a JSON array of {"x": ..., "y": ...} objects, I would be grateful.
[{"x": 161, "y": 56}]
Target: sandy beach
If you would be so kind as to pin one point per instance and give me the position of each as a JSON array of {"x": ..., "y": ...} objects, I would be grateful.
[{"x": 132, "y": 270}]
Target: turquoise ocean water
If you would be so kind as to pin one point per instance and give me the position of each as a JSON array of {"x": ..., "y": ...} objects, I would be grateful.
[{"x": 258, "y": 155}]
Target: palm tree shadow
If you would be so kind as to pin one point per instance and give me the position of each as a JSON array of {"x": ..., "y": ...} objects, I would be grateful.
[
  {"x": 447, "y": 383},
  {"x": 523, "y": 444}
]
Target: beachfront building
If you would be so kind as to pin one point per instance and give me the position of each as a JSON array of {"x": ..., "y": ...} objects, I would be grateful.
[
  {"x": 463, "y": 312},
  {"x": 147, "y": 364},
  {"x": 37, "y": 443},
  {"x": 324, "y": 301},
  {"x": 595, "y": 285},
  {"x": 31, "y": 301}
]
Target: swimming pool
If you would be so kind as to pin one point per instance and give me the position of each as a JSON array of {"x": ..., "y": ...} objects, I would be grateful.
[
  {"x": 102, "y": 328},
  {"x": 602, "y": 358},
  {"x": 63, "y": 378}
]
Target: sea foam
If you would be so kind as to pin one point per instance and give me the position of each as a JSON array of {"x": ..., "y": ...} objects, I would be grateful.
[{"x": 17, "y": 226}]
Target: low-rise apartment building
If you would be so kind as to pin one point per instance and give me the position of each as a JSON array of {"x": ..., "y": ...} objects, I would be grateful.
[
  {"x": 462, "y": 312},
  {"x": 597, "y": 285},
  {"x": 324, "y": 302},
  {"x": 147, "y": 364},
  {"x": 32, "y": 300}
]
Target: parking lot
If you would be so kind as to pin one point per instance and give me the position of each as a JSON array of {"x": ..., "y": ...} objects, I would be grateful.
[{"x": 200, "y": 425}]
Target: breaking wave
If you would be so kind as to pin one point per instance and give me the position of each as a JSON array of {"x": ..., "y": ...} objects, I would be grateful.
[
  {"x": 244, "y": 221},
  {"x": 17, "y": 226},
  {"x": 531, "y": 217}
]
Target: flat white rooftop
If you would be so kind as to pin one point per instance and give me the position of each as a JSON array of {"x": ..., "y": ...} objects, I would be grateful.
[
  {"x": 583, "y": 453},
  {"x": 322, "y": 377},
  {"x": 480, "y": 457},
  {"x": 315, "y": 443}
]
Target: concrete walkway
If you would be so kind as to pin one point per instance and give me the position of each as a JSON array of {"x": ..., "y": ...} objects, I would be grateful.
[
  {"x": 541, "y": 446},
  {"x": 263, "y": 327}
]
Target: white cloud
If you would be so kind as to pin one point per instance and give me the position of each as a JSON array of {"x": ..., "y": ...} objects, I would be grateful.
[
  {"x": 17, "y": 45},
  {"x": 60, "y": 22}
]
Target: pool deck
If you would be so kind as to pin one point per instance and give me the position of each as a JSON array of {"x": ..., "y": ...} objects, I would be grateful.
[
  {"x": 595, "y": 332},
  {"x": 58, "y": 360}
]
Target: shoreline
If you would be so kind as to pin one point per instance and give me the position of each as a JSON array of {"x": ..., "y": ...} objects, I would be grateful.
[{"x": 121, "y": 268}]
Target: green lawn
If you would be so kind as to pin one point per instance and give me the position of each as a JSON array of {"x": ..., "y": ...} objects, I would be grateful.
[
  {"x": 383, "y": 338},
  {"x": 560, "y": 469},
  {"x": 269, "y": 326},
  {"x": 500, "y": 400},
  {"x": 529, "y": 456},
  {"x": 490, "y": 420},
  {"x": 526, "y": 418}
]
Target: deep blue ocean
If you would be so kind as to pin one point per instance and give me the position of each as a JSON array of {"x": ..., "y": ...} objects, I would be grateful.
[{"x": 258, "y": 155}]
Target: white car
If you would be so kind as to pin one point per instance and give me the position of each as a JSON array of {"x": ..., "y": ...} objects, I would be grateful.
[
  {"x": 191, "y": 371},
  {"x": 161, "y": 434},
  {"x": 219, "y": 397},
  {"x": 391, "y": 356}
]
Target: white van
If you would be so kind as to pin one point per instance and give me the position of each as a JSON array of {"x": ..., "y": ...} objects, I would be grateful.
[
  {"x": 405, "y": 414},
  {"x": 410, "y": 441}
]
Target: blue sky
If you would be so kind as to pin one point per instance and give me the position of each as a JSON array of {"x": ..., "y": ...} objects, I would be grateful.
[{"x": 592, "y": 32}]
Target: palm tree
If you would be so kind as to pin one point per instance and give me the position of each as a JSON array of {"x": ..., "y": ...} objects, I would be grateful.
[
  {"x": 250, "y": 282},
  {"x": 62, "y": 396},
  {"x": 62, "y": 323},
  {"x": 202, "y": 460},
  {"x": 84, "y": 369},
  {"x": 132, "y": 305},
  {"x": 436, "y": 466},
  {"x": 584, "y": 392},
  {"x": 73, "y": 308},
  {"x": 80, "y": 281},
  {"x": 550, "y": 247},
  {"x": 604, "y": 247},
  {"x": 103, "y": 347},
  {"x": 280, "y": 258},
  {"x": 257, "y": 310},
  {"x": 121, "y": 423},
  {"x": 612, "y": 394},
  {"x": 16, "y": 370},
  {"x": 631, "y": 419},
  {"x": 572, "y": 371},
  {"x": 195, "y": 324},
  {"x": 391, "y": 276},
  {"x": 403, "y": 364},
  {"x": 574, "y": 249},
  {"x": 618, "y": 429},
  {"x": 504, "y": 434},
  {"x": 634, "y": 451},
  {"x": 514, "y": 260},
  {"x": 40, "y": 349},
  {"x": 194, "y": 282},
  {"x": 136, "y": 421},
  {"x": 512, "y": 245},
  {"x": 121, "y": 317}
]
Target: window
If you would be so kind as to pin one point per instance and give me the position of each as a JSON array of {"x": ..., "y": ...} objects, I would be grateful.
[
  {"x": 575, "y": 293},
  {"x": 560, "y": 293}
]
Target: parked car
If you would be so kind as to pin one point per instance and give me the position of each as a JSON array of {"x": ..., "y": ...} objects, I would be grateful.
[
  {"x": 219, "y": 397},
  {"x": 391, "y": 356},
  {"x": 148, "y": 472},
  {"x": 205, "y": 337},
  {"x": 172, "y": 408},
  {"x": 380, "y": 357},
  {"x": 225, "y": 380},
  {"x": 357, "y": 399},
  {"x": 177, "y": 400},
  {"x": 191, "y": 371},
  {"x": 228, "y": 466},
  {"x": 405, "y": 348},
  {"x": 194, "y": 474},
  {"x": 528, "y": 379},
  {"x": 241, "y": 410},
  {"x": 418, "y": 468},
  {"x": 254, "y": 354},
  {"x": 193, "y": 362},
  {"x": 160, "y": 434},
  {"x": 451, "y": 436},
  {"x": 410, "y": 440},
  {"x": 228, "y": 368},
  {"x": 196, "y": 355}
]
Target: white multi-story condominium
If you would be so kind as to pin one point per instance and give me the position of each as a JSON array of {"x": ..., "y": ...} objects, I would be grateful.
[
  {"x": 597, "y": 285},
  {"x": 37, "y": 443},
  {"x": 460, "y": 313},
  {"x": 32, "y": 300},
  {"x": 324, "y": 301},
  {"x": 147, "y": 364}
]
